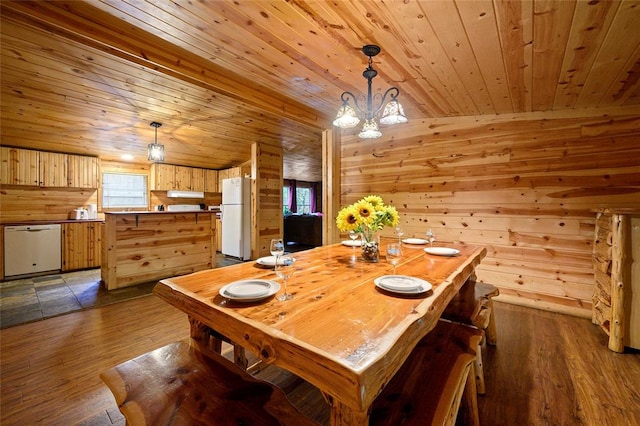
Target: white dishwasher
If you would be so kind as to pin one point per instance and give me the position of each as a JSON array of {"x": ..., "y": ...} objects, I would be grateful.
[{"x": 32, "y": 248}]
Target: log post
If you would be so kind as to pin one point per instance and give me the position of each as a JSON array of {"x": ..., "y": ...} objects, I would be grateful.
[{"x": 620, "y": 226}]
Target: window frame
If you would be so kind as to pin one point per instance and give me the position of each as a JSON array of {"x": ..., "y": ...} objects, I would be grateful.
[{"x": 145, "y": 194}]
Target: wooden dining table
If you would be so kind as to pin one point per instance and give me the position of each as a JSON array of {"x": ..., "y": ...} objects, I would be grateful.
[{"x": 340, "y": 332}]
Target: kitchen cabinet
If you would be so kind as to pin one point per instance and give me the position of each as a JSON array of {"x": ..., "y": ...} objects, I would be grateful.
[
  {"x": 47, "y": 169},
  {"x": 162, "y": 177},
  {"x": 52, "y": 169},
  {"x": 83, "y": 172},
  {"x": 197, "y": 179},
  {"x": 142, "y": 247},
  {"x": 167, "y": 177},
  {"x": 182, "y": 178},
  {"x": 211, "y": 180},
  {"x": 19, "y": 166},
  {"x": 81, "y": 245},
  {"x": 229, "y": 173},
  {"x": 189, "y": 178},
  {"x": 218, "y": 235}
]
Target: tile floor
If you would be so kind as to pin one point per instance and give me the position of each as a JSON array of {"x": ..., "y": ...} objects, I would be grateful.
[{"x": 32, "y": 299}]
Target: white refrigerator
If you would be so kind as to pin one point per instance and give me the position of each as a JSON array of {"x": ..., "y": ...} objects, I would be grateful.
[{"x": 236, "y": 217}]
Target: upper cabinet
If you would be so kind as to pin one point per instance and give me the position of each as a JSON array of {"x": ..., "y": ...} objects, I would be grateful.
[
  {"x": 230, "y": 173},
  {"x": 83, "y": 172},
  {"x": 211, "y": 181},
  {"x": 52, "y": 169},
  {"x": 189, "y": 178},
  {"x": 163, "y": 177},
  {"x": 167, "y": 177},
  {"x": 47, "y": 169},
  {"x": 19, "y": 167}
]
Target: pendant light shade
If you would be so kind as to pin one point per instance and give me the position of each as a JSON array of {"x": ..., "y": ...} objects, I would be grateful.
[{"x": 155, "y": 151}]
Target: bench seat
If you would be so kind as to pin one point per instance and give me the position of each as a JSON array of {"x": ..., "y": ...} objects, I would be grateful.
[
  {"x": 434, "y": 382},
  {"x": 179, "y": 385},
  {"x": 473, "y": 305}
]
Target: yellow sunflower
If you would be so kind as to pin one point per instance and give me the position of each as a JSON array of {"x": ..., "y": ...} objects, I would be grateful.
[
  {"x": 366, "y": 212},
  {"x": 348, "y": 219},
  {"x": 375, "y": 201}
]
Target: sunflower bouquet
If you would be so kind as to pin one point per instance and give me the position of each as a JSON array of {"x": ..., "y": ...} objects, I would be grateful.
[{"x": 367, "y": 216}]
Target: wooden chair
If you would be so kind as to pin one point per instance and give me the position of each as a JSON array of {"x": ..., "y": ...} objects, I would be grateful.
[
  {"x": 434, "y": 382},
  {"x": 473, "y": 305},
  {"x": 179, "y": 385}
]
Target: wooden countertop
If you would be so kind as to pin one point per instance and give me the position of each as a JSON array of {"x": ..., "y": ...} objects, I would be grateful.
[{"x": 163, "y": 212}]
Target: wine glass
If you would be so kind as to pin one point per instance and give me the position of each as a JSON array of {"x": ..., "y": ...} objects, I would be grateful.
[
  {"x": 354, "y": 236},
  {"x": 277, "y": 248},
  {"x": 394, "y": 253},
  {"x": 285, "y": 269},
  {"x": 399, "y": 232},
  {"x": 430, "y": 237}
]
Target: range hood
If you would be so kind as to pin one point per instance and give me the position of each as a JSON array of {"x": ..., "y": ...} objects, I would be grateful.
[{"x": 185, "y": 194}]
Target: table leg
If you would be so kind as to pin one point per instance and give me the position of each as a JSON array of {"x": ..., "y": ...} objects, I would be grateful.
[
  {"x": 210, "y": 340},
  {"x": 343, "y": 415}
]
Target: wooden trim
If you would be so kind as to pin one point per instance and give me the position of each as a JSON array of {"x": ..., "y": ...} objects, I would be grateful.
[{"x": 331, "y": 164}]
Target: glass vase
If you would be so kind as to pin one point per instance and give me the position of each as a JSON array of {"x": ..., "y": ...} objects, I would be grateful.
[{"x": 370, "y": 246}]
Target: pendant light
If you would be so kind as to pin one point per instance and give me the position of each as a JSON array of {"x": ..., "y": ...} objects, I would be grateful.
[
  {"x": 155, "y": 151},
  {"x": 349, "y": 116}
]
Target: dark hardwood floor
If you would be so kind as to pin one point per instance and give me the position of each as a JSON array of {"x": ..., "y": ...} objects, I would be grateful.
[{"x": 547, "y": 369}]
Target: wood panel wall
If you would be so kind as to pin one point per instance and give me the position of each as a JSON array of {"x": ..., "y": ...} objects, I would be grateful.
[
  {"x": 20, "y": 203},
  {"x": 524, "y": 186},
  {"x": 266, "y": 202}
]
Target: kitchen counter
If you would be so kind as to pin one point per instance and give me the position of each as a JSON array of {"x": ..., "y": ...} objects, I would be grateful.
[
  {"x": 139, "y": 247},
  {"x": 47, "y": 222}
]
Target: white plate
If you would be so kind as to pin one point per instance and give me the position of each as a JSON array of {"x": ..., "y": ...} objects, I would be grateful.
[
  {"x": 271, "y": 260},
  {"x": 442, "y": 251},
  {"x": 402, "y": 284},
  {"x": 249, "y": 290},
  {"x": 352, "y": 243},
  {"x": 414, "y": 241}
]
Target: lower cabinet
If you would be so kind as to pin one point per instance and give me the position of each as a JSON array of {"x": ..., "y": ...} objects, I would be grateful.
[
  {"x": 80, "y": 245},
  {"x": 219, "y": 235}
]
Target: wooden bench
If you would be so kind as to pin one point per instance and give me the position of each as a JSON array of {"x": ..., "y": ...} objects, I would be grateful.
[
  {"x": 434, "y": 382},
  {"x": 473, "y": 305},
  {"x": 179, "y": 385}
]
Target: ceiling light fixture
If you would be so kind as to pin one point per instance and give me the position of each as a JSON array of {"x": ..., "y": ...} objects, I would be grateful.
[
  {"x": 392, "y": 114},
  {"x": 155, "y": 150}
]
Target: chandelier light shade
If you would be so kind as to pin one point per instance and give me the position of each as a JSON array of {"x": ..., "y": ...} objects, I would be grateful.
[
  {"x": 155, "y": 151},
  {"x": 349, "y": 116}
]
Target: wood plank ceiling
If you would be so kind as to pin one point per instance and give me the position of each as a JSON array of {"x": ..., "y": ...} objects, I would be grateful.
[{"x": 89, "y": 76}]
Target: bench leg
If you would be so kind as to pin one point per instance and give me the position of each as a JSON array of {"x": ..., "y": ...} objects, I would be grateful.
[
  {"x": 491, "y": 330},
  {"x": 479, "y": 370},
  {"x": 469, "y": 403}
]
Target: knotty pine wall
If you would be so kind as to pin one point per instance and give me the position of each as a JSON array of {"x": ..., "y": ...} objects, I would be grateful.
[
  {"x": 522, "y": 185},
  {"x": 23, "y": 203},
  {"x": 266, "y": 207}
]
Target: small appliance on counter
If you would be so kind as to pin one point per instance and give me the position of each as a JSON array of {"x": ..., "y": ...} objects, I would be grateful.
[
  {"x": 184, "y": 208},
  {"x": 79, "y": 214},
  {"x": 92, "y": 211}
]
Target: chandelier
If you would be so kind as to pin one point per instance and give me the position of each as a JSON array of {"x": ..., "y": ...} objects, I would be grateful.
[
  {"x": 155, "y": 151},
  {"x": 391, "y": 114}
]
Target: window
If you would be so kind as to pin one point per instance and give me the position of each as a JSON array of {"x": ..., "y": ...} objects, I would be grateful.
[
  {"x": 302, "y": 198},
  {"x": 123, "y": 190}
]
